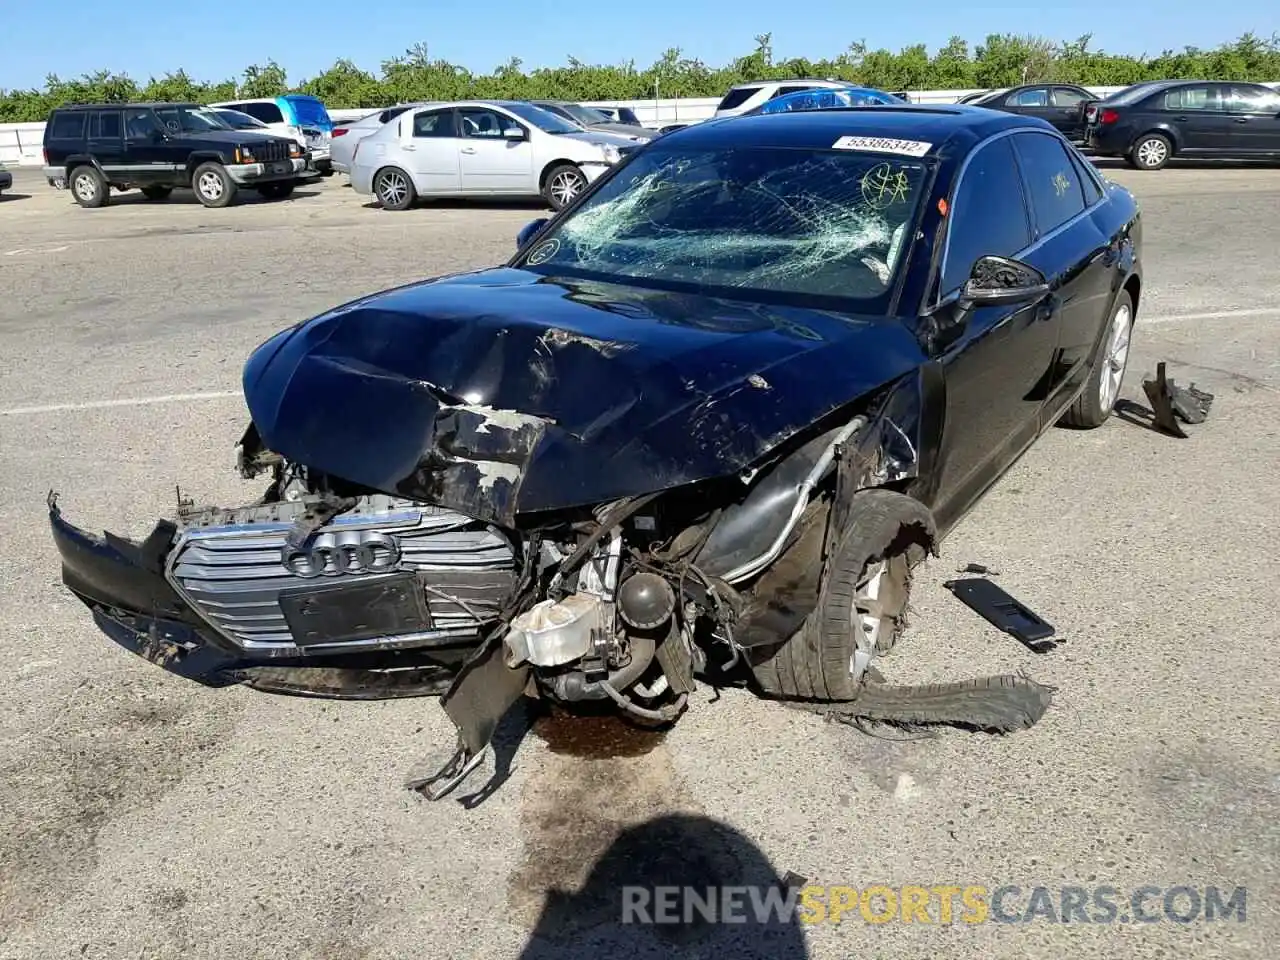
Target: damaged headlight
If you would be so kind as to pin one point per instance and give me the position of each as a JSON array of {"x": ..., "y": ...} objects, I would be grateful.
[{"x": 610, "y": 152}]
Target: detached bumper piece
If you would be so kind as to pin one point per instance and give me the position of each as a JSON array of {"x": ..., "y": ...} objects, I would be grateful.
[
  {"x": 1171, "y": 403},
  {"x": 122, "y": 583}
]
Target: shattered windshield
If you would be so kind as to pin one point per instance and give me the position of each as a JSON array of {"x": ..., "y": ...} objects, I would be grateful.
[{"x": 828, "y": 223}]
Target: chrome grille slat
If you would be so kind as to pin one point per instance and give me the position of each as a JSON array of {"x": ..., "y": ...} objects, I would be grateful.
[{"x": 227, "y": 564}]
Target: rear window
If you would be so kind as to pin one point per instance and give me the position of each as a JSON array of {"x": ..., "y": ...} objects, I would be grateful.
[
  {"x": 67, "y": 126},
  {"x": 1131, "y": 94},
  {"x": 310, "y": 111},
  {"x": 266, "y": 112},
  {"x": 736, "y": 98}
]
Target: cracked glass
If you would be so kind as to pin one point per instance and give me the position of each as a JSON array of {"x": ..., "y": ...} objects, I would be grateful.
[{"x": 734, "y": 222}]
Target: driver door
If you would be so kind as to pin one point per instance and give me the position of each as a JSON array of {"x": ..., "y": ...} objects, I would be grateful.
[
  {"x": 429, "y": 143},
  {"x": 491, "y": 163},
  {"x": 996, "y": 364},
  {"x": 147, "y": 152}
]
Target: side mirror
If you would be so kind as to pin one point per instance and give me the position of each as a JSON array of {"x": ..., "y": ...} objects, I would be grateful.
[
  {"x": 528, "y": 230},
  {"x": 515, "y": 133},
  {"x": 1001, "y": 280}
]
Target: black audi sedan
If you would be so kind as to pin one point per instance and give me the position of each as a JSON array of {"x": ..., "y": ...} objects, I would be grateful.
[{"x": 708, "y": 417}]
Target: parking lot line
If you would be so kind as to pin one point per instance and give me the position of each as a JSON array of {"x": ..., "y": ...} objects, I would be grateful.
[
  {"x": 124, "y": 402},
  {"x": 1213, "y": 315}
]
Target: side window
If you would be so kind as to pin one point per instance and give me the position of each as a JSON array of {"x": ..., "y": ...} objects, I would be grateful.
[
  {"x": 389, "y": 115},
  {"x": 1252, "y": 99},
  {"x": 266, "y": 112},
  {"x": 736, "y": 98},
  {"x": 437, "y": 124},
  {"x": 478, "y": 122},
  {"x": 783, "y": 91},
  {"x": 1092, "y": 192},
  {"x": 67, "y": 126},
  {"x": 1038, "y": 97},
  {"x": 988, "y": 215},
  {"x": 104, "y": 125},
  {"x": 1066, "y": 97},
  {"x": 1052, "y": 181},
  {"x": 1190, "y": 98},
  {"x": 139, "y": 124}
]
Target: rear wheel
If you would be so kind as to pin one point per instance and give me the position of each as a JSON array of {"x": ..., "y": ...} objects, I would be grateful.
[
  {"x": 213, "y": 185},
  {"x": 394, "y": 189},
  {"x": 1151, "y": 151},
  {"x": 89, "y": 187},
  {"x": 157, "y": 193},
  {"x": 1094, "y": 405},
  {"x": 862, "y": 606}
]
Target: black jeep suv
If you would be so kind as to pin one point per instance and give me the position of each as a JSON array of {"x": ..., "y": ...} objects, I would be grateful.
[{"x": 156, "y": 147}]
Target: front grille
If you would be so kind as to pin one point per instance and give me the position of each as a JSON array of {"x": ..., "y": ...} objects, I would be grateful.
[
  {"x": 269, "y": 151},
  {"x": 229, "y": 567}
]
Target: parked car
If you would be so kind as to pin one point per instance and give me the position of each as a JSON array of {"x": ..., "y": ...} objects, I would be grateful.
[
  {"x": 621, "y": 115},
  {"x": 589, "y": 118},
  {"x": 159, "y": 147},
  {"x": 824, "y": 99},
  {"x": 1149, "y": 124},
  {"x": 6, "y": 179},
  {"x": 345, "y": 136},
  {"x": 506, "y": 148},
  {"x": 1061, "y": 104},
  {"x": 745, "y": 97},
  {"x": 688, "y": 429},
  {"x": 295, "y": 115},
  {"x": 979, "y": 95}
]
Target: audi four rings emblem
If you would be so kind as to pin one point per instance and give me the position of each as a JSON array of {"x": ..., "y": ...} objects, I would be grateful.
[{"x": 333, "y": 554}]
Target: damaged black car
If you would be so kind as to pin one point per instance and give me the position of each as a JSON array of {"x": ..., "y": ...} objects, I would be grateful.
[{"x": 704, "y": 423}]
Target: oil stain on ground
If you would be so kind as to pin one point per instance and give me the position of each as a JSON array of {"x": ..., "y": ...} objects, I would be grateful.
[{"x": 602, "y": 776}]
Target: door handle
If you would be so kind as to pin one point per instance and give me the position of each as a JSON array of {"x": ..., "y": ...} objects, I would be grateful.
[
  {"x": 1242, "y": 119},
  {"x": 1181, "y": 119},
  {"x": 407, "y": 146},
  {"x": 468, "y": 149}
]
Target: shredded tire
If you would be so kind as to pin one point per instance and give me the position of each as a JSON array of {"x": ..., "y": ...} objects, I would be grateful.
[
  {"x": 1000, "y": 704},
  {"x": 814, "y": 664}
]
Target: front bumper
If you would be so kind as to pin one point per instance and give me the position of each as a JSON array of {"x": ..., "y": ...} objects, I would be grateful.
[{"x": 267, "y": 172}]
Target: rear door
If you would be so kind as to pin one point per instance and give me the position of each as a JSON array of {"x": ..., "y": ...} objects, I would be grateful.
[
  {"x": 1071, "y": 251},
  {"x": 492, "y": 164},
  {"x": 1255, "y": 116},
  {"x": 106, "y": 139},
  {"x": 1068, "y": 105},
  {"x": 431, "y": 147},
  {"x": 1195, "y": 112},
  {"x": 1030, "y": 102}
]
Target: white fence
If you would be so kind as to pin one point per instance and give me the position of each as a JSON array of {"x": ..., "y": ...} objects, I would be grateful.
[{"x": 21, "y": 144}]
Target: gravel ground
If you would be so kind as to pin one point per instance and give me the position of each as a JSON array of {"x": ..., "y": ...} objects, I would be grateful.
[{"x": 144, "y": 817}]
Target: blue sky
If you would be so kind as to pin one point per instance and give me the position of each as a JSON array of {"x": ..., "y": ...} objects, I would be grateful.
[{"x": 214, "y": 43}]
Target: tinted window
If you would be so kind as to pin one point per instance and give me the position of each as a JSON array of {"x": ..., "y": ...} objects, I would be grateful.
[
  {"x": 785, "y": 222},
  {"x": 1190, "y": 98},
  {"x": 67, "y": 126},
  {"x": 1251, "y": 99},
  {"x": 266, "y": 112},
  {"x": 736, "y": 98},
  {"x": 1066, "y": 97},
  {"x": 105, "y": 124},
  {"x": 391, "y": 114},
  {"x": 1052, "y": 180},
  {"x": 438, "y": 124},
  {"x": 1084, "y": 169},
  {"x": 783, "y": 91},
  {"x": 478, "y": 122},
  {"x": 1030, "y": 98},
  {"x": 140, "y": 124},
  {"x": 988, "y": 217}
]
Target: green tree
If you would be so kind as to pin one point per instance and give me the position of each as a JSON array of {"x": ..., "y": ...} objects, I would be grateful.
[{"x": 1000, "y": 60}]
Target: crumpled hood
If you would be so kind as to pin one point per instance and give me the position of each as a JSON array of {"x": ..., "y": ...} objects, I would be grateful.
[{"x": 503, "y": 391}]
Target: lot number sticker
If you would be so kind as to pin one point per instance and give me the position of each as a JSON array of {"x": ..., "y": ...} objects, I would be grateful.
[{"x": 907, "y": 148}]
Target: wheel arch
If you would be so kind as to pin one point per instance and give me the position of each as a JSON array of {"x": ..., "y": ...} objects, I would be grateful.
[
  {"x": 1165, "y": 130},
  {"x": 196, "y": 159},
  {"x": 547, "y": 168}
]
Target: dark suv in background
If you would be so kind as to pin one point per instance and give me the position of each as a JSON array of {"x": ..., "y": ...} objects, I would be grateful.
[
  {"x": 155, "y": 147},
  {"x": 1149, "y": 123}
]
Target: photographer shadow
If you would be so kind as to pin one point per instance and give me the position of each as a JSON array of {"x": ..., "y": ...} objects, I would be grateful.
[{"x": 620, "y": 910}]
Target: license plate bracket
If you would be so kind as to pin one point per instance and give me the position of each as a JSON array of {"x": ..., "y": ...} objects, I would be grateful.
[{"x": 348, "y": 612}]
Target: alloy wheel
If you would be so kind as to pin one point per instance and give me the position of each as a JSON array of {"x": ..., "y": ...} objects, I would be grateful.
[
  {"x": 210, "y": 185},
  {"x": 1152, "y": 152},
  {"x": 565, "y": 186},
  {"x": 392, "y": 188},
  {"x": 1115, "y": 358},
  {"x": 86, "y": 188}
]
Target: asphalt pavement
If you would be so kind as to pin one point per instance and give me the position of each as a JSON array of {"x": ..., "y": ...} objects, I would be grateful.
[{"x": 142, "y": 816}]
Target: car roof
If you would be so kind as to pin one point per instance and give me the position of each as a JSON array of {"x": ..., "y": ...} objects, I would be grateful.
[
  {"x": 957, "y": 126},
  {"x": 150, "y": 104},
  {"x": 770, "y": 83}
]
